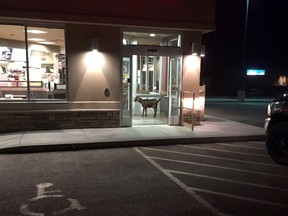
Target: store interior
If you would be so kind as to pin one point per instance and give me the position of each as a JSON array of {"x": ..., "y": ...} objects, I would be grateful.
[{"x": 43, "y": 76}]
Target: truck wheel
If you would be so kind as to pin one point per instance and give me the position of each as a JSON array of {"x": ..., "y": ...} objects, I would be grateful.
[{"x": 277, "y": 143}]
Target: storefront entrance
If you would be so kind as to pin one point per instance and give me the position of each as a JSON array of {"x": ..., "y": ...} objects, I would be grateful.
[
  {"x": 151, "y": 81},
  {"x": 151, "y": 78}
]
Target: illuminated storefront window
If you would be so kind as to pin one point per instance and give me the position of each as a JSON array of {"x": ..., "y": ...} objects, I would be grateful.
[{"x": 32, "y": 63}]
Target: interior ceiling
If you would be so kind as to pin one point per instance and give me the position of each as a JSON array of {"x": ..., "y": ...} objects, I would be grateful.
[
  {"x": 55, "y": 36},
  {"x": 146, "y": 38}
]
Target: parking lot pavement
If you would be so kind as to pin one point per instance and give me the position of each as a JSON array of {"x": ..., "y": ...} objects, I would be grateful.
[{"x": 226, "y": 178}]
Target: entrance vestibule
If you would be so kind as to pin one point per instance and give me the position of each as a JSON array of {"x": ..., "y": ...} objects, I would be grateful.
[
  {"x": 151, "y": 74},
  {"x": 151, "y": 77}
]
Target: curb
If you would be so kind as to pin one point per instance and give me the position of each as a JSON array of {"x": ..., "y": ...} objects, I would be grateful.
[{"x": 127, "y": 143}]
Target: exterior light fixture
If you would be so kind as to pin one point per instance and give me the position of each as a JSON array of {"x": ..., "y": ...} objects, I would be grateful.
[
  {"x": 94, "y": 45},
  {"x": 202, "y": 53},
  {"x": 194, "y": 49}
]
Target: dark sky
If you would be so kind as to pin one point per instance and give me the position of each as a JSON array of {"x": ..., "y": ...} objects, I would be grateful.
[{"x": 267, "y": 35}]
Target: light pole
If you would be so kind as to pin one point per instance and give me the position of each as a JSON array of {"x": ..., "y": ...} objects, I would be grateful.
[
  {"x": 245, "y": 33},
  {"x": 241, "y": 93}
]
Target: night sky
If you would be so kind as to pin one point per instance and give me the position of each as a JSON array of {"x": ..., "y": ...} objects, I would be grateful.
[{"x": 266, "y": 44}]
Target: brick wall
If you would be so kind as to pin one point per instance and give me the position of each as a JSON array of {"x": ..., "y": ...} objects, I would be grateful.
[{"x": 53, "y": 120}]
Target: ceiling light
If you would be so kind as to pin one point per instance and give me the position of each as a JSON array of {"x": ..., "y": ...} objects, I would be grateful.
[
  {"x": 152, "y": 35},
  {"x": 35, "y": 31},
  {"x": 47, "y": 42},
  {"x": 36, "y": 39}
]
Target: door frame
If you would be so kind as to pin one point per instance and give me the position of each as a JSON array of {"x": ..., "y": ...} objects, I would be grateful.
[
  {"x": 175, "y": 87},
  {"x": 129, "y": 51}
]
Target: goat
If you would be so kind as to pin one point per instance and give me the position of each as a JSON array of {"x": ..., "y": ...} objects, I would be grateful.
[{"x": 147, "y": 103}]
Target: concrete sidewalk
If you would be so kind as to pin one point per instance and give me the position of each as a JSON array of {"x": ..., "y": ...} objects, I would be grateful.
[{"x": 211, "y": 130}]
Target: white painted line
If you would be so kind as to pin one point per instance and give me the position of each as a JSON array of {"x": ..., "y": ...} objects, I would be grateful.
[
  {"x": 239, "y": 197},
  {"x": 42, "y": 193},
  {"x": 74, "y": 204},
  {"x": 181, "y": 184},
  {"x": 257, "y": 142},
  {"x": 240, "y": 146},
  {"x": 212, "y": 157},
  {"x": 219, "y": 167},
  {"x": 219, "y": 150},
  {"x": 24, "y": 209},
  {"x": 227, "y": 180}
]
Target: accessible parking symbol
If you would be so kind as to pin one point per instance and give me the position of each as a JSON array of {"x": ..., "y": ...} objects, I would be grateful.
[{"x": 28, "y": 208}]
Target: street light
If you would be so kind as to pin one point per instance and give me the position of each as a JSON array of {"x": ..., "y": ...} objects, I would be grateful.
[
  {"x": 241, "y": 93},
  {"x": 245, "y": 32}
]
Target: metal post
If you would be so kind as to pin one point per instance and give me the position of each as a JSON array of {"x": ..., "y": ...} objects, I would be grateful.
[
  {"x": 181, "y": 108},
  {"x": 193, "y": 117}
]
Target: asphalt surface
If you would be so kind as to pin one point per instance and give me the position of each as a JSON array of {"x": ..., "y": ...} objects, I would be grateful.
[
  {"x": 227, "y": 174},
  {"x": 232, "y": 178}
]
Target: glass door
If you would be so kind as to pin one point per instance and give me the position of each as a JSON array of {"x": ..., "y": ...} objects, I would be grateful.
[
  {"x": 174, "y": 85},
  {"x": 149, "y": 90},
  {"x": 151, "y": 77},
  {"x": 126, "y": 97}
]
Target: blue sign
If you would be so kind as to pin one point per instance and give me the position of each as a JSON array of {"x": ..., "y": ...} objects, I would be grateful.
[{"x": 255, "y": 72}]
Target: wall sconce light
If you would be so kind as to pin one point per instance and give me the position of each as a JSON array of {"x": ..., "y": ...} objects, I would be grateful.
[
  {"x": 194, "y": 49},
  {"x": 202, "y": 53},
  {"x": 94, "y": 45}
]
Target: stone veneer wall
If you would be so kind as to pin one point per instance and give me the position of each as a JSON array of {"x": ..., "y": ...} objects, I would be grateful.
[{"x": 53, "y": 120}]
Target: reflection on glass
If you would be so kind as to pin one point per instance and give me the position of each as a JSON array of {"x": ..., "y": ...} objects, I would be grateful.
[
  {"x": 151, "y": 72},
  {"x": 151, "y": 39}
]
